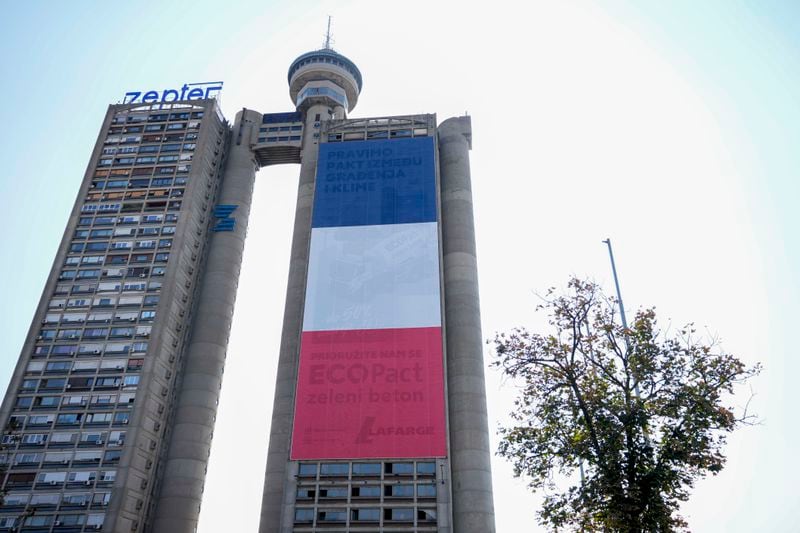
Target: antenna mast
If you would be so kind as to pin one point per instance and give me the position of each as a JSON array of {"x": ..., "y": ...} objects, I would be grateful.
[{"x": 328, "y": 38}]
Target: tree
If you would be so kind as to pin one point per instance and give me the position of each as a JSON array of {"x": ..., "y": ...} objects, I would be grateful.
[{"x": 642, "y": 413}]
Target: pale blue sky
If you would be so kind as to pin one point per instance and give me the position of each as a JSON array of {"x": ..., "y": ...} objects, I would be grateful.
[{"x": 671, "y": 127}]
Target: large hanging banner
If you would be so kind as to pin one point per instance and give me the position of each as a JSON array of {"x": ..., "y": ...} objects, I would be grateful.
[{"x": 371, "y": 380}]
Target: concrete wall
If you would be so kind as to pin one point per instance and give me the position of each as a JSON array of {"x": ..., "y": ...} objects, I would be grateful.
[
  {"x": 184, "y": 469},
  {"x": 473, "y": 506}
]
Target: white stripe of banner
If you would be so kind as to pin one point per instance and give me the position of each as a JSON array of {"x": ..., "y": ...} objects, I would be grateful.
[{"x": 370, "y": 277}]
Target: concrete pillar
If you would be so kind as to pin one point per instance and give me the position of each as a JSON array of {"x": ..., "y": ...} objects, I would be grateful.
[
  {"x": 473, "y": 506},
  {"x": 278, "y": 496},
  {"x": 184, "y": 472}
]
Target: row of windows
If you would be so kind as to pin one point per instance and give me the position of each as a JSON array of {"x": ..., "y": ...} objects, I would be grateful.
[
  {"x": 90, "y": 522},
  {"x": 74, "y": 384},
  {"x": 90, "y": 274},
  {"x": 140, "y": 183},
  {"x": 366, "y": 514},
  {"x": 174, "y": 126},
  {"x": 111, "y": 259},
  {"x": 124, "y": 316},
  {"x": 58, "y": 478},
  {"x": 77, "y": 419},
  {"x": 134, "y": 194},
  {"x": 127, "y": 141},
  {"x": 85, "y": 366},
  {"x": 28, "y": 459},
  {"x": 379, "y": 134},
  {"x": 90, "y": 349},
  {"x": 141, "y": 173},
  {"x": 89, "y": 333},
  {"x": 122, "y": 118},
  {"x": 279, "y": 139},
  {"x": 132, "y": 207},
  {"x": 104, "y": 233},
  {"x": 105, "y": 301},
  {"x": 128, "y": 219},
  {"x": 142, "y": 160},
  {"x": 102, "y": 317},
  {"x": 280, "y": 128},
  {"x": 61, "y": 439},
  {"x": 310, "y": 470},
  {"x": 73, "y": 401},
  {"x": 109, "y": 286},
  {"x": 149, "y": 148},
  {"x": 395, "y": 490},
  {"x": 99, "y": 499},
  {"x": 116, "y": 245}
]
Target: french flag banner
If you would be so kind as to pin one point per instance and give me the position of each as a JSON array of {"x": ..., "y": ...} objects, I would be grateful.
[{"x": 371, "y": 375}]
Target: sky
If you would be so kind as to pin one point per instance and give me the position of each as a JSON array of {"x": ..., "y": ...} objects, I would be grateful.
[{"x": 669, "y": 127}]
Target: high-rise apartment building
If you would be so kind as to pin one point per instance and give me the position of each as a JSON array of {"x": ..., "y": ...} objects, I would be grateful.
[{"x": 379, "y": 421}]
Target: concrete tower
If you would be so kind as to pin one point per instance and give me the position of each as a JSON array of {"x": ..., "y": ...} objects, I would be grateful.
[{"x": 382, "y": 278}]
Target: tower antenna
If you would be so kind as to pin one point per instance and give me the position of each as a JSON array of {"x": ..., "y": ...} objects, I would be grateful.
[{"x": 328, "y": 36}]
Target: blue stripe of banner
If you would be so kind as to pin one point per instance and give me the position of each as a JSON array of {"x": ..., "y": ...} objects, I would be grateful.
[{"x": 362, "y": 183}]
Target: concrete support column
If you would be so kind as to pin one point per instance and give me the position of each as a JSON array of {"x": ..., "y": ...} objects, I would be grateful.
[
  {"x": 473, "y": 506},
  {"x": 278, "y": 496},
  {"x": 184, "y": 471}
]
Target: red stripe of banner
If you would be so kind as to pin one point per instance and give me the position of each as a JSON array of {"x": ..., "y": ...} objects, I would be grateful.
[{"x": 370, "y": 394}]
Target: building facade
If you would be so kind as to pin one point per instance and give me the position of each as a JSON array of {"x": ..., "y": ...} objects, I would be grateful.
[{"x": 379, "y": 420}]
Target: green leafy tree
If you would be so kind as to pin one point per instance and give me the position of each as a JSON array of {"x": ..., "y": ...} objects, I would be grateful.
[{"x": 642, "y": 413}]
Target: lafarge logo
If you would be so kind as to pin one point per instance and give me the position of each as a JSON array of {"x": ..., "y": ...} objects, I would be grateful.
[
  {"x": 369, "y": 431},
  {"x": 189, "y": 91}
]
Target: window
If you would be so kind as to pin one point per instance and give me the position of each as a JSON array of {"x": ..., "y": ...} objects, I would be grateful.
[
  {"x": 34, "y": 438},
  {"x": 38, "y": 521},
  {"x": 332, "y": 515},
  {"x": 48, "y": 401},
  {"x": 81, "y": 477},
  {"x": 75, "y": 500},
  {"x": 398, "y": 515},
  {"x": 50, "y": 384},
  {"x": 71, "y": 520},
  {"x": 366, "y": 491},
  {"x": 334, "y": 469},
  {"x": 60, "y": 366},
  {"x": 333, "y": 493},
  {"x": 72, "y": 419},
  {"x": 62, "y": 439},
  {"x": 399, "y": 469},
  {"x": 426, "y": 469},
  {"x": 427, "y": 490},
  {"x": 98, "y": 418},
  {"x": 366, "y": 469},
  {"x": 96, "y": 520},
  {"x": 92, "y": 437},
  {"x": 306, "y": 493},
  {"x": 14, "y": 500},
  {"x": 398, "y": 491},
  {"x": 365, "y": 515},
  {"x": 304, "y": 515},
  {"x": 307, "y": 470}
]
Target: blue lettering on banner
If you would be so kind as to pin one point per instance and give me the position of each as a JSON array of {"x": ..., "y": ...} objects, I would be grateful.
[
  {"x": 362, "y": 183},
  {"x": 189, "y": 91}
]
